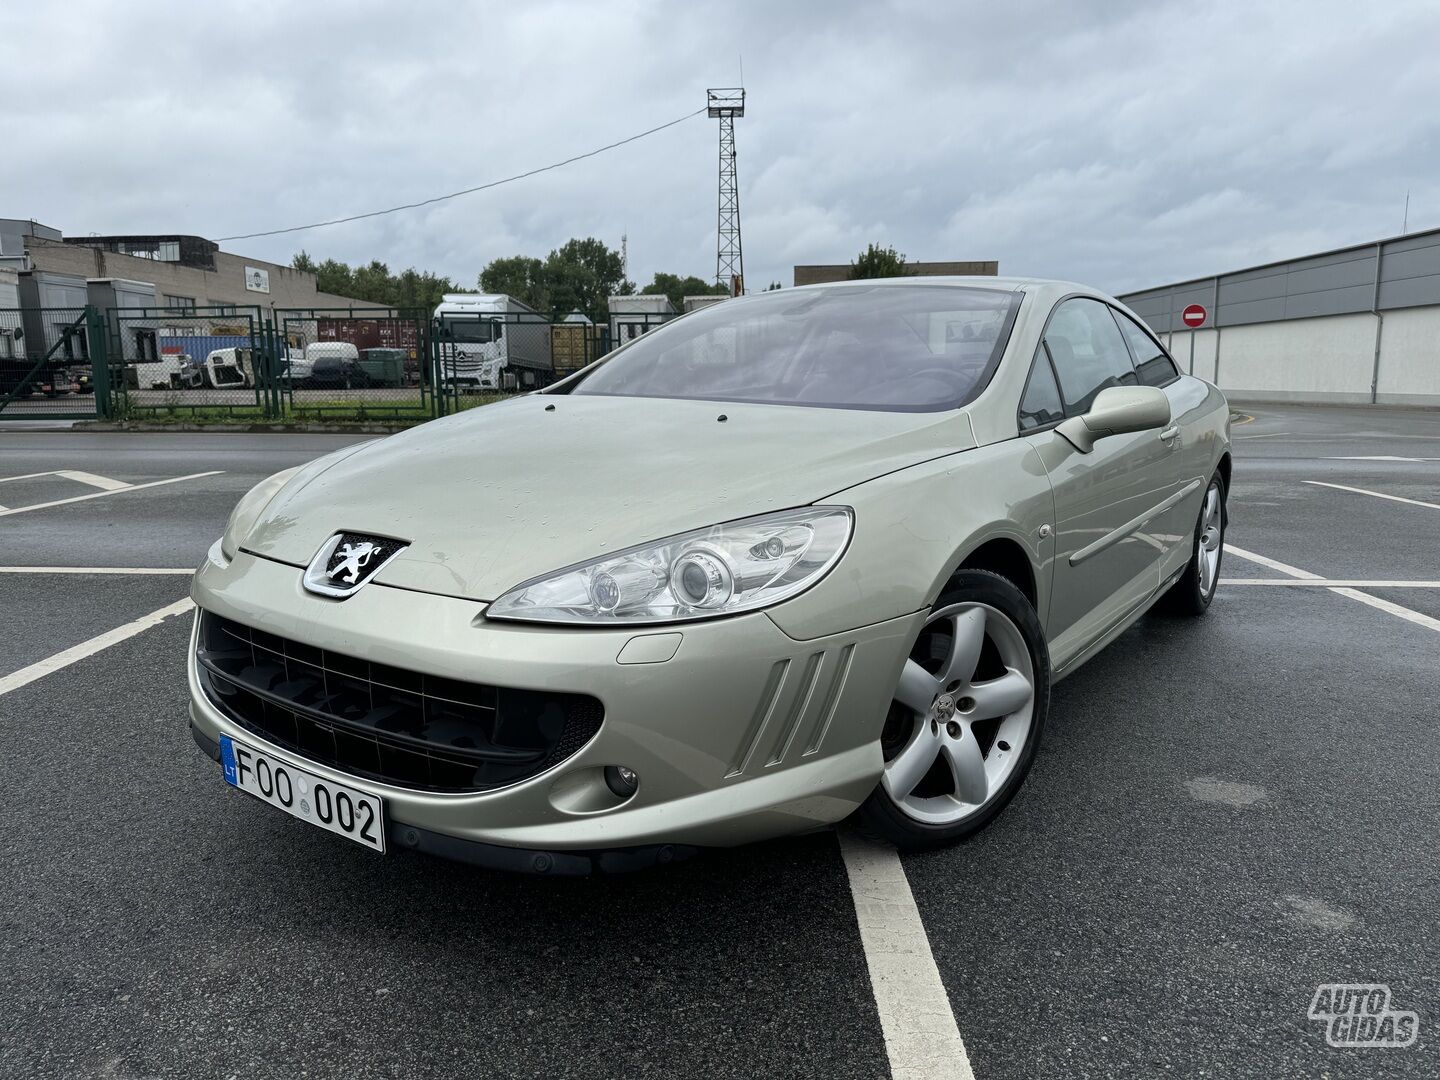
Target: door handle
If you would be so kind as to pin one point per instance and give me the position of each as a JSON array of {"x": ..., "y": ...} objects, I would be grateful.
[{"x": 1170, "y": 433}]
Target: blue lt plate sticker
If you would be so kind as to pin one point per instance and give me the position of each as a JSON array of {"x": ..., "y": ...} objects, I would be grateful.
[{"x": 227, "y": 761}]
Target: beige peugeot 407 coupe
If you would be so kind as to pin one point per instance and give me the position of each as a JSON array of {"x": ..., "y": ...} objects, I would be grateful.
[{"x": 804, "y": 555}]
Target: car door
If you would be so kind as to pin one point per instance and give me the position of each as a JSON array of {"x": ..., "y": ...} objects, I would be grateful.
[
  {"x": 1107, "y": 559},
  {"x": 1189, "y": 457}
]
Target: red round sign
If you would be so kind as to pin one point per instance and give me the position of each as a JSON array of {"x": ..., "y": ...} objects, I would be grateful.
[{"x": 1194, "y": 315}]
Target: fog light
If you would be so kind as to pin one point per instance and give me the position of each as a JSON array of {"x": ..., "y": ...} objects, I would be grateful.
[{"x": 621, "y": 781}]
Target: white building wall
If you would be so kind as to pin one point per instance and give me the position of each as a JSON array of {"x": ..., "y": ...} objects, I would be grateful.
[
  {"x": 1202, "y": 363},
  {"x": 1327, "y": 360},
  {"x": 1410, "y": 357}
]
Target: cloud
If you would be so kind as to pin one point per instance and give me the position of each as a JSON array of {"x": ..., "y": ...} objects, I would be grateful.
[{"x": 1122, "y": 144}]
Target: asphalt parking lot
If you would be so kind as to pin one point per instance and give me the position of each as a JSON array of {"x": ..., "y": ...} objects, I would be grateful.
[{"x": 1226, "y": 813}]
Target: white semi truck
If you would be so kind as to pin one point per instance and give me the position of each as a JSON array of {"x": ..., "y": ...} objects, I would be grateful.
[{"x": 490, "y": 341}]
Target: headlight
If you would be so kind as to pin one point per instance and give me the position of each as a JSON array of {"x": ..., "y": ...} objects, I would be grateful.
[
  {"x": 739, "y": 566},
  {"x": 248, "y": 510}
]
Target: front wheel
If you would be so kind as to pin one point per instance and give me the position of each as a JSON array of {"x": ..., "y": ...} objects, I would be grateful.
[{"x": 966, "y": 719}]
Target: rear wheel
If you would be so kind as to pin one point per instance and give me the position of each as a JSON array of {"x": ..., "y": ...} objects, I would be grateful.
[{"x": 966, "y": 718}]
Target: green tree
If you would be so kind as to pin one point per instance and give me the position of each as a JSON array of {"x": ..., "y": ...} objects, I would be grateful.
[
  {"x": 373, "y": 283},
  {"x": 520, "y": 276},
  {"x": 677, "y": 288},
  {"x": 878, "y": 262},
  {"x": 773, "y": 286},
  {"x": 580, "y": 275}
]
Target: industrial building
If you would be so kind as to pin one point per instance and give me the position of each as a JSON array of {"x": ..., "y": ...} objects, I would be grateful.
[
  {"x": 186, "y": 271},
  {"x": 820, "y": 275},
  {"x": 1358, "y": 324}
]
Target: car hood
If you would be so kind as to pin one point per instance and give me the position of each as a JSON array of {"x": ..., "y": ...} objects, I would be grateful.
[{"x": 504, "y": 493}]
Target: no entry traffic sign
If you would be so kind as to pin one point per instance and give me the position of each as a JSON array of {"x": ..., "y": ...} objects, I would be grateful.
[{"x": 1194, "y": 315}]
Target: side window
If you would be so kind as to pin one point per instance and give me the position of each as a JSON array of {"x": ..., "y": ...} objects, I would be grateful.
[
  {"x": 1088, "y": 351},
  {"x": 1041, "y": 404},
  {"x": 1152, "y": 364}
]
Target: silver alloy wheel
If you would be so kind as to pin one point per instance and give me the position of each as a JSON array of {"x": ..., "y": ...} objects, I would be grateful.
[
  {"x": 947, "y": 706},
  {"x": 1212, "y": 536}
]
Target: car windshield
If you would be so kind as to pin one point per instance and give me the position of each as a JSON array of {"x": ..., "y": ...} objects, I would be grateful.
[{"x": 888, "y": 347}]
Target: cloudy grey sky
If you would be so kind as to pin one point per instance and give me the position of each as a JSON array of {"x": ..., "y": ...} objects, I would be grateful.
[{"x": 1115, "y": 143}]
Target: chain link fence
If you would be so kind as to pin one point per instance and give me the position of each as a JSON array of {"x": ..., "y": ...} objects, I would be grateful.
[
  {"x": 47, "y": 367},
  {"x": 237, "y": 363},
  {"x": 196, "y": 364},
  {"x": 355, "y": 363}
]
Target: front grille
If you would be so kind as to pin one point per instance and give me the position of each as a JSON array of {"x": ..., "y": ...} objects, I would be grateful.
[{"x": 385, "y": 723}]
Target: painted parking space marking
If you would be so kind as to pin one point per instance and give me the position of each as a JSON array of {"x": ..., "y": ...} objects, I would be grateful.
[
  {"x": 922, "y": 1039},
  {"x": 89, "y": 571},
  {"x": 78, "y": 475},
  {"x": 104, "y": 483},
  {"x": 1273, "y": 564},
  {"x": 1271, "y": 435},
  {"x": 1376, "y": 494},
  {"x": 1333, "y": 583},
  {"x": 1397, "y": 610},
  {"x": 104, "y": 494},
  {"x": 1381, "y": 457},
  {"x": 51, "y": 664},
  {"x": 1394, "y": 609},
  {"x": 25, "y": 476}
]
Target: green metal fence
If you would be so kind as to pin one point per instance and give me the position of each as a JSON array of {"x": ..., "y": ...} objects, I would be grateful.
[
  {"x": 356, "y": 363},
  {"x": 236, "y": 363},
  {"x": 52, "y": 364},
  {"x": 195, "y": 363}
]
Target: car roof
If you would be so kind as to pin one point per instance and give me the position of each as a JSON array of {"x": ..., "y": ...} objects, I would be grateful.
[{"x": 1004, "y": 284}]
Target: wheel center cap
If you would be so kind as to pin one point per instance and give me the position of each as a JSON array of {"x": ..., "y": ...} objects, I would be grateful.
[{"x": 944, "y": 707}]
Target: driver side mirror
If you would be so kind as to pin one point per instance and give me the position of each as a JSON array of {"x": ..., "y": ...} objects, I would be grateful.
[{"x": 1117, "y": 410}]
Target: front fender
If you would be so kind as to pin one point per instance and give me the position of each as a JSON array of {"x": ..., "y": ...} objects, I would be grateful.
[{"x": 914, "y": 527}]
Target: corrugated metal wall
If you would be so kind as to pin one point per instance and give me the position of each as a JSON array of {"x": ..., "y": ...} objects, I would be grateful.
[{"x": 1334, "y": 283}]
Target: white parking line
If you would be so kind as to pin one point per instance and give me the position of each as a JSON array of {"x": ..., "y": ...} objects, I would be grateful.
[
  {"x": 1284, "y": 568},
  {"x": 25, "y": 476},
  {"x": 104, "y": 483},
  {"x": 75, "y": 653},
  {"x": 89, "y": 570},
  {"x": 1327, "y": 583},
  {"x": 1374, "y": 601},
  {"x": 103, "y": 494},
  {"x": 1393, "y": 609},
  {"x": 921, "y": 1037},
  {"x": 1382, "y": 457},
  {"x": 1269, "y": 435},
  {"x": 1376, "y": 494}
]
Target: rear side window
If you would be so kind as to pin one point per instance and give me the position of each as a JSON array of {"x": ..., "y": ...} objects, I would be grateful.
[
  {"x": 1088, "y": 352},
  {"x": 1154, "y": 367},
  {"x": 1041, "y": 404}
]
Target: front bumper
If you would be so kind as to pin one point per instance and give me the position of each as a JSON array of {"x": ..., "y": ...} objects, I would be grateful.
[{"x": 742, "y": 734}]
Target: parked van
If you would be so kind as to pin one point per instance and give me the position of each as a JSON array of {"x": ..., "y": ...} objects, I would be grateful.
[{"x": 334, "y": 364}]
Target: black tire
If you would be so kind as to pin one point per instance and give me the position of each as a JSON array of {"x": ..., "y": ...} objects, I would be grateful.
[
  {"x": 1188, "y": 596},
  {"x": 879, "y": 817}
]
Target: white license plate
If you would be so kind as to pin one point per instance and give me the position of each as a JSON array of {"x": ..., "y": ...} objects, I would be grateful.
[{"x": 341, "y": 809}]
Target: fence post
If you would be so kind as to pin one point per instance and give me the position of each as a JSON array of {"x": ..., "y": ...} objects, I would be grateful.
[
  {"x": 432, "y": 356},
  {"x": 97, "y": 337}
]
